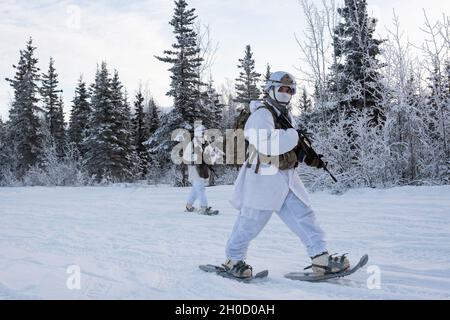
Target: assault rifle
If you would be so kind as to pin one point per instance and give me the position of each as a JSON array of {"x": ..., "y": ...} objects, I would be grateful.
[{"x": 306, "y": 145}]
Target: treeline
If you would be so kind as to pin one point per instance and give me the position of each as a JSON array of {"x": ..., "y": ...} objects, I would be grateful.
[
  {"x": 103, "y": 141},
  {"x": 378, "y": 113},
  {"x": 109, "y": 138}
]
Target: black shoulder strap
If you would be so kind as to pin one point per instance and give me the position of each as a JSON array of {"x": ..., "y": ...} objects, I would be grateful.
[
  {"x": 271, "y": 109},
  {"x": 276, "y": 118}
]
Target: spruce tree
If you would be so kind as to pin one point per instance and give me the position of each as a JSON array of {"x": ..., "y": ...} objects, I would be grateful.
[
  {"x": 266, "y": 77},
  {"x": 139, "y": 121},
  {"x": 152, "y": 123},
  {"x": 355, "y": 75},
  {"x": 247, "y": 83},
  {"x": 213, "y": 108},
  {"x": 24, "y": 121},
  {"x": 305, "y": 102},
  {"x": 185, "y": 60},
  {"x": 152, "y": 118},
  {"x": 109, "y": 143},
  {"x": 123, "y": 147},
  {"x": 79, "y": 117},
  {"x": 230, "y": 111},
  {"x": 60, "y": 134},
  {"x": 101, "y": 130},
  {"x": 268, "y": 73},
  {"x": 139, "y": 133},
  {"x": 53, "y": 107}
]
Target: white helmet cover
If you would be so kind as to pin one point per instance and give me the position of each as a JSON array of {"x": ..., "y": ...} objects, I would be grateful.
[{"x": 281, "y": 79}]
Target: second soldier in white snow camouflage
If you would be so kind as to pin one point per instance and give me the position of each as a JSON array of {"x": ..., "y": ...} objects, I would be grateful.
[{"x": 198, "y": 174}]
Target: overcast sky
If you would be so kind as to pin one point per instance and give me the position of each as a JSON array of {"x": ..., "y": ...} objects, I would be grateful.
[{"x": 127, "y": 35}]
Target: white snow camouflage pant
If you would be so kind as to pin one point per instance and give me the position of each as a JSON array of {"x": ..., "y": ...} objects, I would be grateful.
[
  {"x": 294, "y": 213},
  {"x": 198, "y": 192}
]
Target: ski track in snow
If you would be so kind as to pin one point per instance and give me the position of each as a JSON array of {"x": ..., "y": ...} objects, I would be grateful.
[{"x": 135, "y": 242}]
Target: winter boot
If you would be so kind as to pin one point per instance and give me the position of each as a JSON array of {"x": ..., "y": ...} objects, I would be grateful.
[
  {"x": 326, "y": 264},
  {"x": 238, "y": 269},
  {"x": 190, "y": 208},
  {"x": 208, "y": 211}
]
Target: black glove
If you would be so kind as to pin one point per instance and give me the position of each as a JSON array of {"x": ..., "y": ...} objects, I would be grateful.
[{"x": 315, "y": 162}]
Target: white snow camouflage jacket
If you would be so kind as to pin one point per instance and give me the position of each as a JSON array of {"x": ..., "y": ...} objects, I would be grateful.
[{"x": 267, "y": 189}]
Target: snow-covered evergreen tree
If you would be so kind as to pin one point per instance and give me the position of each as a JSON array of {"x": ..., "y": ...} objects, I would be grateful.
[
  {"x": 305, "y": 103},
  {"x": 109, "y": 143},
  {"x": 60, "y": 134},
  {"x": 140, "y": 133},
  {"x": 185, "y": 60},
  {"x": 79, "y": 117},
  {"x": 230, "y": 106},
  {"x": 354, "y": 81},
  {"x": 152, "y": 122},
  {"x": 247, "y": 83},
  {"x": 53, "y": 107},
  {"x": 9, "y": 161},
  {"x": 268, "y": 73},
  {"x": 213, "y": 108},
  {"x": 123, "y": 153},
  {"x": 266, "y": 77},
  {"x": 23, "y": 115},
  {"x": 152, "y": 118},
  {"x": 139, "y": 121},
  {"x": 101, "y": 131}
]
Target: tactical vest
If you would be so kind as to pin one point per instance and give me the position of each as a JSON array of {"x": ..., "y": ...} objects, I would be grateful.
[{"x": 284, "y": 161}]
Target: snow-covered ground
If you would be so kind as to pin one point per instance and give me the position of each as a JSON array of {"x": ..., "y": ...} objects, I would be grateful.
[{"x": 136, "y": 242}]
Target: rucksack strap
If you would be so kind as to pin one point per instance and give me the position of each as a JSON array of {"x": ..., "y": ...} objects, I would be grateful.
[
  {"x": 271, "y": 110},
  {"x": 276, "y": 124},
  {"x": 287, "y": 161}
]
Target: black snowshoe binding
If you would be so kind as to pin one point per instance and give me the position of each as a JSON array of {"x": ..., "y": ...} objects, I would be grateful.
[
  {"x": 208, "y": 211},
  {"x": 239, "y": 269},
  {"x": 329, "y": 264}
]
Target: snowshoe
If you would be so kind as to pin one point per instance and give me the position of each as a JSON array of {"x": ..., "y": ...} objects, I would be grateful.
[
  {"x": 316, "y": 277},
  {"x": 329, "y": 264},
  {"x": 222, "y": 271},
  {"x": 208, "y": 211}
]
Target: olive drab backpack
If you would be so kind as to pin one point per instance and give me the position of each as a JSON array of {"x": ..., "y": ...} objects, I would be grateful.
[{"x": 239, "y": 126}]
